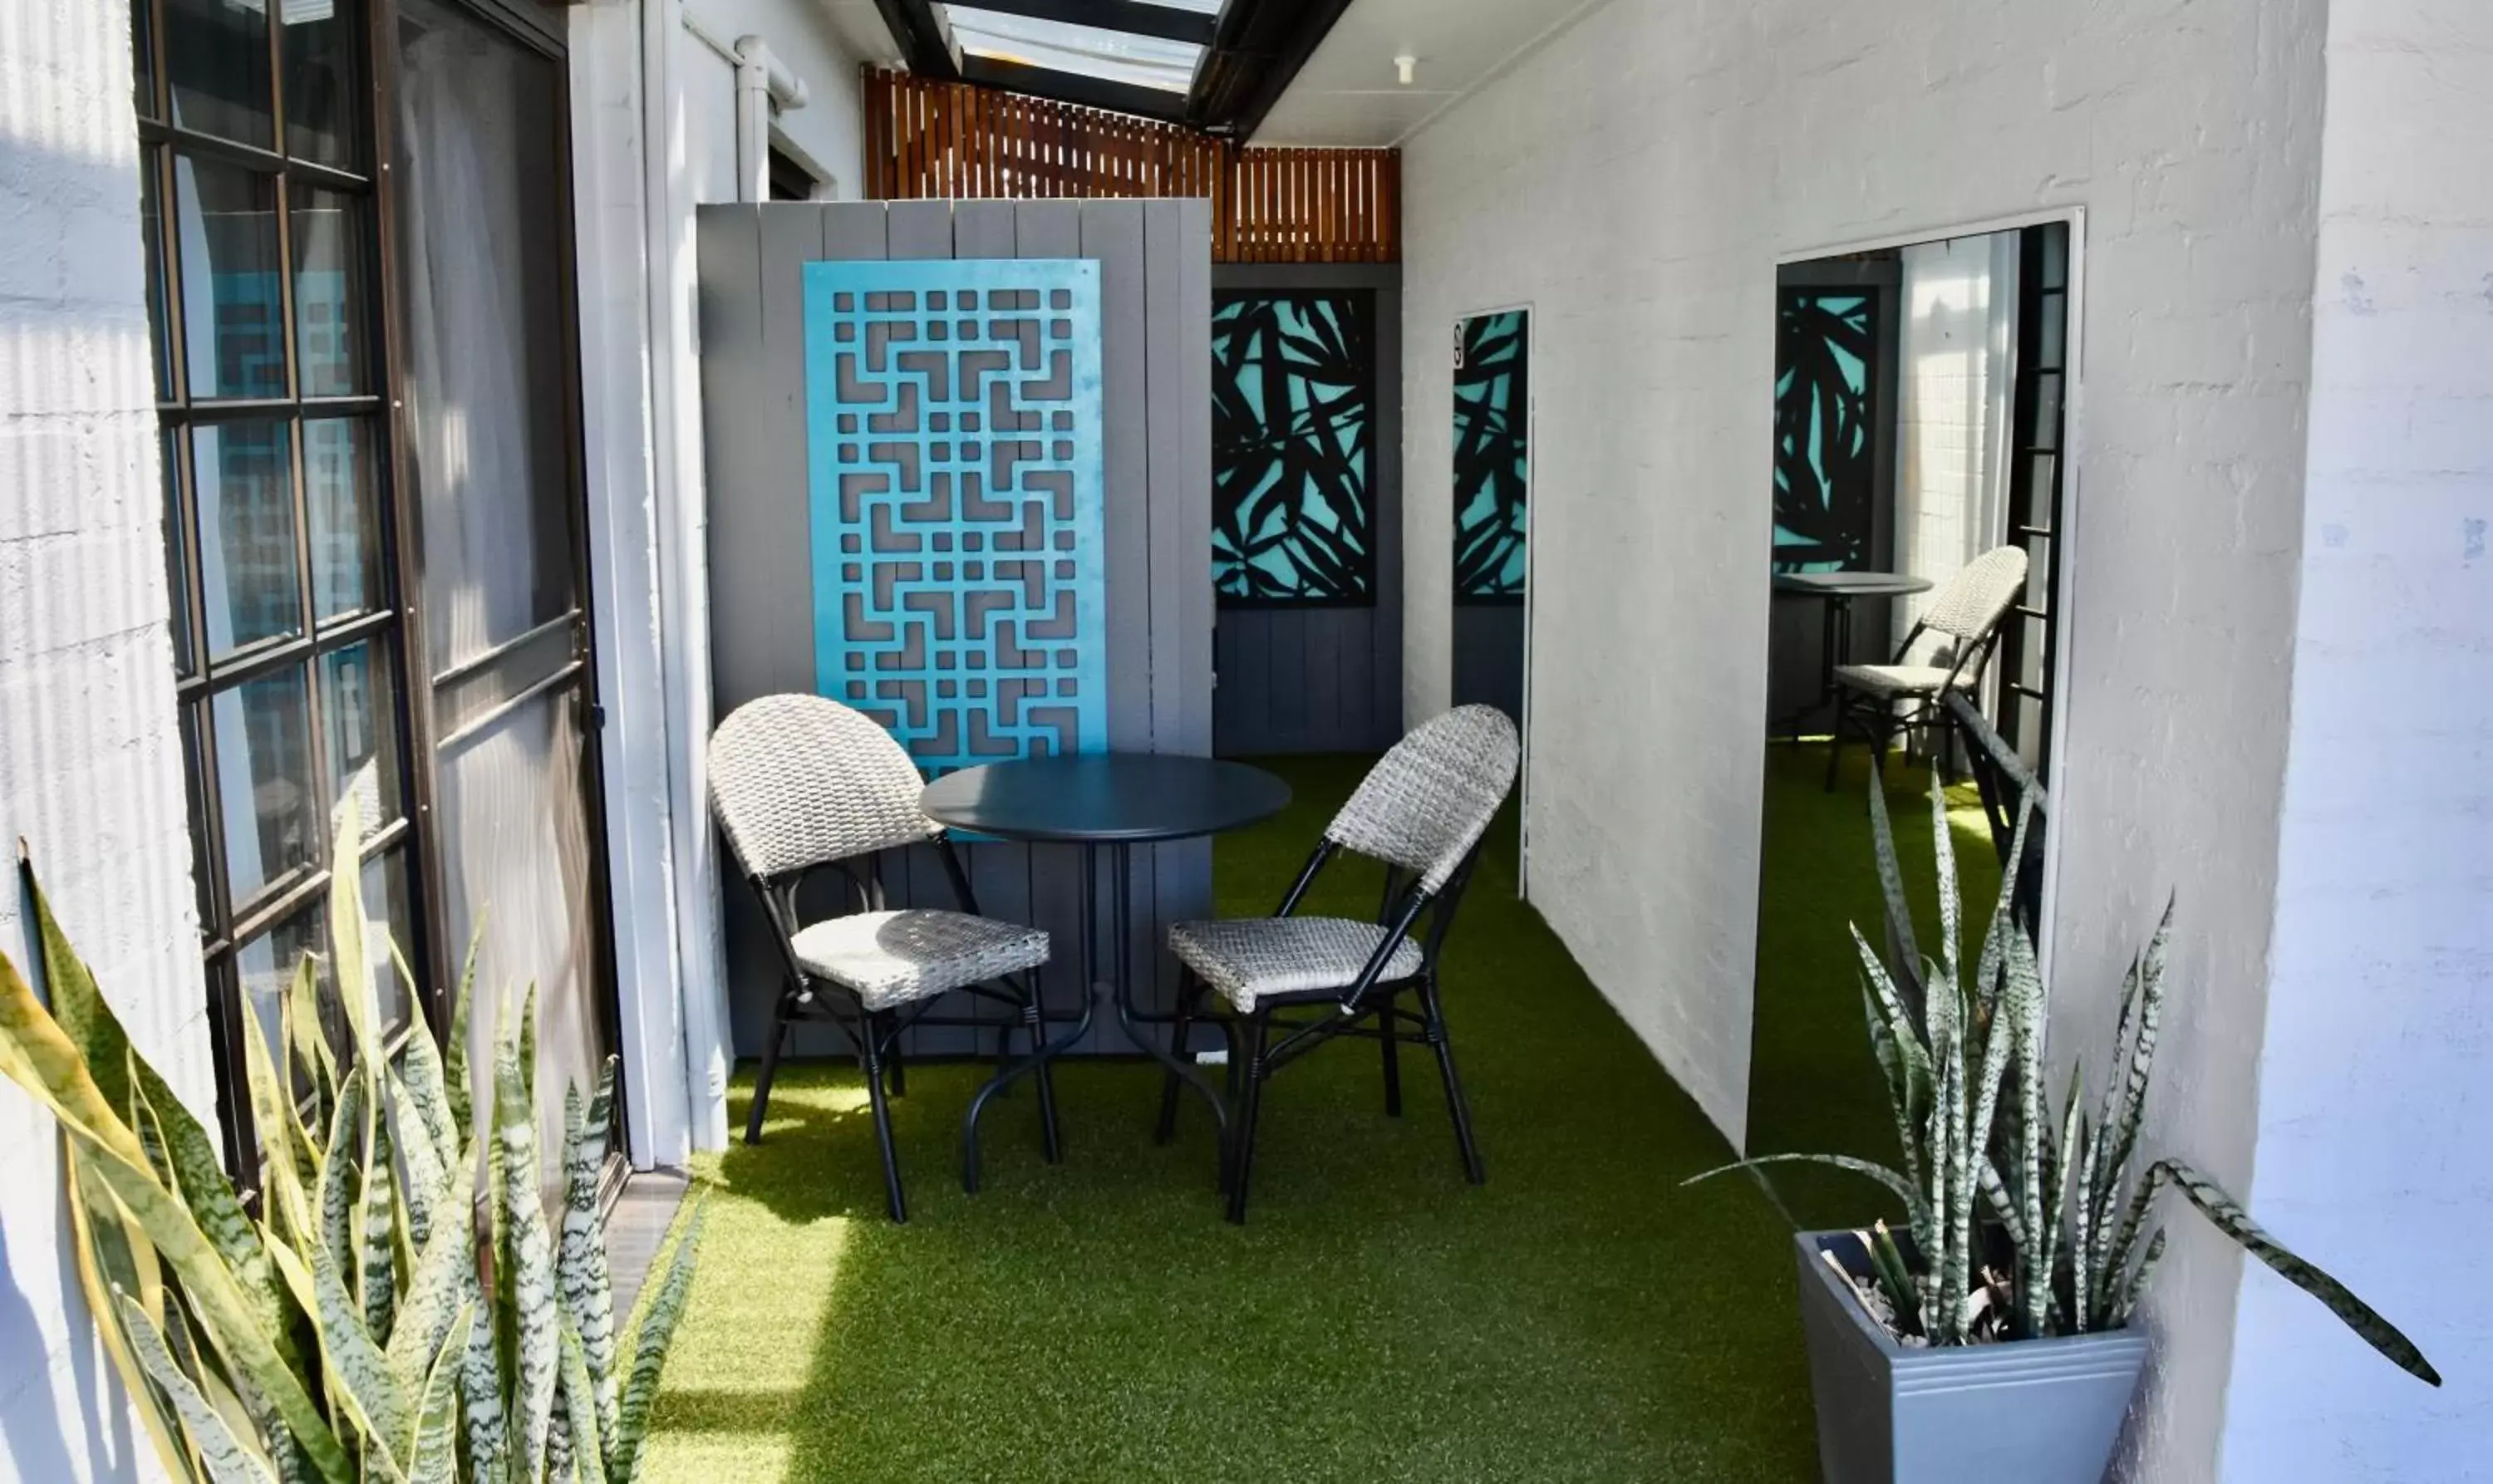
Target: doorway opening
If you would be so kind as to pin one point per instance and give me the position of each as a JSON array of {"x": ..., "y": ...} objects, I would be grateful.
[{"x": 1918, "y": 566}]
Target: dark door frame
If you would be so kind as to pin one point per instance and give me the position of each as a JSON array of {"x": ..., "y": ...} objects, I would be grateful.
[{"x": 538, "y": 28}]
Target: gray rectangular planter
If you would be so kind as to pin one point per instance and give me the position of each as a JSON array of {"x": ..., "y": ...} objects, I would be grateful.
[{"x": 2038, "y": 1412}]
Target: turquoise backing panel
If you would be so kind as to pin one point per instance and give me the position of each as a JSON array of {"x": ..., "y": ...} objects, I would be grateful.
[{"x": 952, "y": 415}]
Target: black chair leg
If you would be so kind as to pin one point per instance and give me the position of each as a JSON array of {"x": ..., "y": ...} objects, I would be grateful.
[
  {"x": 1186, "y": 989},
  {"x": 1835, "y": 745},
  {"x": 1251, "y": 1100},
  {"x": 770, "y": 1070},
  {"x": 1457, "y": 1107},
  {"x": 870, "y": 1052},
  {"x": 1034, "y": 1016},
  {"x": 1387, "y": 1023}
]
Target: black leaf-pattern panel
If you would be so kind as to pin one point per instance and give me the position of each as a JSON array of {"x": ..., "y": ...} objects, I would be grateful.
[
  {"x": 1293, "y": 449},
  {"x": 1825, "y": 418},
  {"x": 1491, "y": 456}
]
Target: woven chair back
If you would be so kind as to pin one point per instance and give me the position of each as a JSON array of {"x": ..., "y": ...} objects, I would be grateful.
[
  {"x": 802, "y": 781},
  {"x": 1970, "y": 606},
  {"x": 1426, "y": 801}
]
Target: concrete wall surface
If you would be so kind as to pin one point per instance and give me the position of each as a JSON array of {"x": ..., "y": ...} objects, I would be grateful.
[
  {"x": 90, "y": 752},
  {"x": 2376, "y": 1082},
  {"x": 1635, "y": 180}
]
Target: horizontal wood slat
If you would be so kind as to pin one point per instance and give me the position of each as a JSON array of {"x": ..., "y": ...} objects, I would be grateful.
[{"x": 926, "y": 139}]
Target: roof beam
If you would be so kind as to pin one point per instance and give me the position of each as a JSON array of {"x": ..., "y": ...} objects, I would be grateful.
[
  {"x": 1166, "y": 22},
  {"x": 1257, "y": 48},
  {"x": 925, "y": 41},
  {"x": 1075, "y": 88}
]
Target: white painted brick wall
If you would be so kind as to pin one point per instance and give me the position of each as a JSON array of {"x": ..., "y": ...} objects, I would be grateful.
[
  {"x": 90, "y": 762},
  {"x": 1635, "y": 180},
  {"x": 2376, "y": 1082}
]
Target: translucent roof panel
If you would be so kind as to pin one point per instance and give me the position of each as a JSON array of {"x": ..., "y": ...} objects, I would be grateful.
[
  {"x": 1114, "y": 56},
  {"x": 1199, "y": 7}
]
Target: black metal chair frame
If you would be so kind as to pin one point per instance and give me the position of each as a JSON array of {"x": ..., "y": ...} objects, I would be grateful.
[
  {"x": 875, "y": 1034},
  {"x": 1877, "y": 717},
  {"x": 1365, "y": 1009}
]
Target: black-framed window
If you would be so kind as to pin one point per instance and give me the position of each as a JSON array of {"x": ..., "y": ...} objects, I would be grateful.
[
  {"x": 2037, "y": 474},
  {"x": 262, "y": 226},
  {"x": 1294, "y": 448},
  {"x": 789, "y": 179}
]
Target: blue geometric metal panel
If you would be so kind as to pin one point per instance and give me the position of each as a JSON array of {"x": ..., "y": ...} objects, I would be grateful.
[
  {"x": 952, "y": 415},
  {"x": 1491, "y": 456},
  {"x": 1293, "y": 424}
]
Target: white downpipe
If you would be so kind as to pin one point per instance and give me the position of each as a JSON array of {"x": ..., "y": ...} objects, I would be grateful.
[{"x": 761, "y": 80}]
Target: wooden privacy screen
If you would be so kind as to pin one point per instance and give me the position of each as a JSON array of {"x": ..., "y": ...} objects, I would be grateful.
[{"x": 958, "y": 140}]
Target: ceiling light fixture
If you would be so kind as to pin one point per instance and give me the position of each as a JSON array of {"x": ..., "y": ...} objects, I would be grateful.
[{"x": 1405, "y": 67}]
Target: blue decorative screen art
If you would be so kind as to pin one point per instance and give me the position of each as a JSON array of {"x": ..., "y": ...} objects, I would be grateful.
[
  {"x": 1825, "y": 408},
  {"x": 1293, "y": 435},
  {"x": 952, "y": 414},
  {"x": 1491, "y": 457}
]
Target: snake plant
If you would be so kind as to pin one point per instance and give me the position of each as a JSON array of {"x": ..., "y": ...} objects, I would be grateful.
[
  {"x": 397, "y": 1309},
  {"x": 2025, "y": 1222}
]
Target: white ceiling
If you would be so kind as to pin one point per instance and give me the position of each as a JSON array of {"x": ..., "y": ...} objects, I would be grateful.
[{"x": 1347, "y": 93}]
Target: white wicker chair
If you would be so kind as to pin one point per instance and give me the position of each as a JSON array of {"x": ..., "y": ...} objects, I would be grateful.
[
  {"x": 1880, "y": 701},
  {"x": 800, "y": 783},
  {"x": 1422, "y": 811}
]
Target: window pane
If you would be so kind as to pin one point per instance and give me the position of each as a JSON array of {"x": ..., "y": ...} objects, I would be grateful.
[
  {"x": 320, "y": 94},
  {"x": 330, "y": 296},
  {"x": 142, "y": 58},
  {"x": 233, "y": 323},
  {"x": 387, "y": 910},
  {"x": 359, "y": 726},
  {"x": 263, "y": 764},
  {"x": 193, "y": 772},
  {"x": 267, "y": 966},
  {"x": 241, "y": 480},
  {"x": 218, "y": 53},
  {"x": 151, "y": 232},
  {"x": 483, "y": 290},
  {"x": 177, "y": 556},
  {"x": 345, "y": 508}
]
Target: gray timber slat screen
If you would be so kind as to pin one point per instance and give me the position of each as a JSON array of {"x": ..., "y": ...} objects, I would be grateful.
[{"x": 1155, "y": 325}]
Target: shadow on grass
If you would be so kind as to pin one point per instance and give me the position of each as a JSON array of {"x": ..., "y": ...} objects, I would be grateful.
[{"x": 1580, "y": 1317}]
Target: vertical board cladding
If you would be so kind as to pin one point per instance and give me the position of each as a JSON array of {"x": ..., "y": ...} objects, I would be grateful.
[
  {"x": 1307, "y": 420},
  {"x": 952, "y": 418},
  {"x": 1145, "y": 264}
]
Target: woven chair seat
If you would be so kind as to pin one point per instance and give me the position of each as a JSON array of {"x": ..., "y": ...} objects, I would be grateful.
[
  {"x": 1899, "y": 680},
  {"x": 1251, "y": 959},
  {"x": 889, "y": 958}
]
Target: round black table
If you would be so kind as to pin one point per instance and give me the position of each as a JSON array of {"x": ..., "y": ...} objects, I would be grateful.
[
  {"x": 1837, "y": 590},
  {"x": 1117, "y": 800}
]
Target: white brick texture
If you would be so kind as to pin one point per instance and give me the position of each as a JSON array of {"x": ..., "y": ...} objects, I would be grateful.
[
  {"x": 2376, "y": 1078},
  {"x": 90, "y": 756},
  {"x": 1635, "y": 181}
]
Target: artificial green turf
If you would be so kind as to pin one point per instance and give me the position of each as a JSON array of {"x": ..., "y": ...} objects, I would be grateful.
[{"x": 1580, "y": 1317}]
